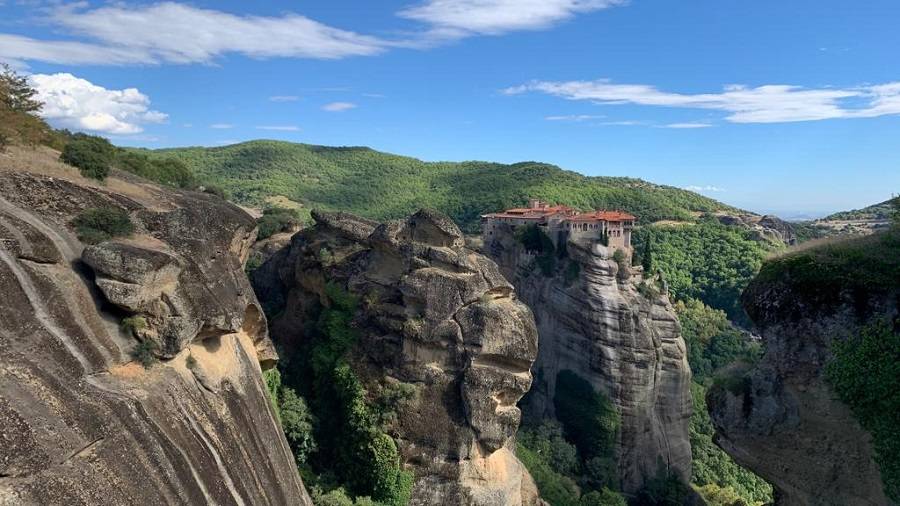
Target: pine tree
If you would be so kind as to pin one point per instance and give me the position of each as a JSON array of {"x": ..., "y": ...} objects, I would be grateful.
[{"x": 16, "y": 94}]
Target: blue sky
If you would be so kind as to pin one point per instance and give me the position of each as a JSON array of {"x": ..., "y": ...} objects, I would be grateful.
[{"x": 788, "y": 107}]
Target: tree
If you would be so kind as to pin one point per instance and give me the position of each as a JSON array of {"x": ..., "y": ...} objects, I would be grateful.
[{"x": 16, "y": 94}]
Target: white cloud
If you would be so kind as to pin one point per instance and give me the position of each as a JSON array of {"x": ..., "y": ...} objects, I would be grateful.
[
  {"x": 706, "y": 188},
  {"x": 338, "y": 106},
  {"x": 221, "y": 126},
  {"x": 284, "y": 98},
  {"x": 76, "y": 103},
  {"x": 629, "y": 122},
  {"x": 460, "y": 18},
  {"x": 573, "y": 117},
  {"x": 170, "y": 32},
  {"x": 763, "y": 104},
  {"x": 687, "y": 125},
  {"x": 279, "y": 128}
]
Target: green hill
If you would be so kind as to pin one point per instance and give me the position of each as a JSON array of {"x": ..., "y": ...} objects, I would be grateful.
[
  {"x": 880, "y": 211},
  {"x": 384, "y": 186}
]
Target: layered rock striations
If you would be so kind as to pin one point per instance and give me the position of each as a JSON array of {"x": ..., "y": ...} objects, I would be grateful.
[
  {"x": 782, "y": 419},
  {"x": 596, "y": 322},
  {"x": 435, "y": 315},
  {"x": 82, "y": 421}
]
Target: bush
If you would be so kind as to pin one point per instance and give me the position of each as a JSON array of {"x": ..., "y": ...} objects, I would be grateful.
[
  {"x": 604, "y": 497},
  {"x": 297, "y": 423},
  {"x": 92, "y": 155},
  {"x": 99, "y": 224},
  {"x": 547, "y": 440},
  {"x": 276, "y": 220},
  {"x": 167, "y": 171},
  {"x": 666, "y": 489},
  {"x": 865, "y": 373},
  {"x": 555, "y": 488},
  {"x": 133, "y": 325},
  {"x": 590, "y": 421},
  {"x": 145, "y": 353}
]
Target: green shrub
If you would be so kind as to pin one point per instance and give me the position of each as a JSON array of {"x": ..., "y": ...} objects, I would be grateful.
[
  {"x": 588, "y": 418},
  {"x": 99, "y": 224},
  {"x": 190, "y": 362},
  {"x": 145, "y": 353},
  {"x": 276, "y": 220},
  {"x": 666, "y": 489},
  {"x": 573, "y": 270},
  {"x": 168, "y": 171},
  {"x": 547, "y": 441},
  {"x": 715, "y": 495},
  {"x": 297, "y": 422},
  {"x": 92, "y": 155},
  {"x": 604, "y": 497},
  {"x": 272, "y": 378},
  {"x": 132, "y": 325},
  {"x": 555, "y": 488},
  {"x": 865, "y": 373}
]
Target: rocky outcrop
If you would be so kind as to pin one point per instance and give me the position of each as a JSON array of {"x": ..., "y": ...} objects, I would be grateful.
[
  {"x": 765, "y": 228},
  {"x": 626, "y": 344},
  {"x": 82, "y": 422},
  {"x": 781, "y": 419},
  {"x": 435, "y": 315}
]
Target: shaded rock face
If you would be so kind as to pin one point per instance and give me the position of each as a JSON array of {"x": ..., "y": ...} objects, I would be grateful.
[
  {"x": 85, "y": 424},
  {"x": 627, "y": 346},
  {"x": 782, "y": 420},
  {"x": 436, "y": 315}
]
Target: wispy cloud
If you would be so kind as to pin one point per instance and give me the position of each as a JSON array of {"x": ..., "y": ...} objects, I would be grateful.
[
  {"x": 573, "y": 117},
  {"x": 706, "y": 188},
  {"x": 279, "y": 128},
  {"x": 284, "y": 98},
  {"x": 79, "y": 104},
  {"x": 117, "y": 35},
  {"x": 628, "y": 122},
  {"x": 688, "y": 125},
  {"x": 338, "y": 106},
  {"x": 221, "y": 126},
  {"x": 762, "y": 104},
  {"x": 451, "y": 19}
]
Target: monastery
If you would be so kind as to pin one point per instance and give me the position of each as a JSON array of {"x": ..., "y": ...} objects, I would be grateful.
[{"x": 562, "y": 222}]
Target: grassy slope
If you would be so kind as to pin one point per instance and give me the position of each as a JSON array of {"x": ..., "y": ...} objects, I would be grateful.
[{"x": 383, "y": 186}]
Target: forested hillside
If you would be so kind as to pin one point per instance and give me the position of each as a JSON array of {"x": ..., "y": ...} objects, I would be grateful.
[{"x": 385, "y": 186}]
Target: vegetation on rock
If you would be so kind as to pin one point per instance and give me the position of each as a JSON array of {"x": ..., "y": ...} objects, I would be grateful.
[
  {"x": 865, "y": 373},
  {"x": 98, "y": 224},
  {"x": 279, "y": 219}
]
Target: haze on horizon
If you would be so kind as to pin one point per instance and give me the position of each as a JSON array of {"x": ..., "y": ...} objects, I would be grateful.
[{"x": 785, "y": 107}]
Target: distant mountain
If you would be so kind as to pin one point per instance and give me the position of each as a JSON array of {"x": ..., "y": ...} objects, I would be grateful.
[{"x": 386, "y": 186}]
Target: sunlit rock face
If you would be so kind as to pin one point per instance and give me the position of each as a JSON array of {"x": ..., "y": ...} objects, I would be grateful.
[
  {"x": 626, "y": 344},
  {"x": 82, "y": 422},
  {"x": 433, "y": 314}
]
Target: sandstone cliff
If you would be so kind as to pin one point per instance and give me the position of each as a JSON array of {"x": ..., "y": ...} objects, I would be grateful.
[
  {"x": 782, "y": 419},
  {"x": 627, "y": 345},
  {"x": 435, "y": 315},
  {"x": 82, "y": 422}
]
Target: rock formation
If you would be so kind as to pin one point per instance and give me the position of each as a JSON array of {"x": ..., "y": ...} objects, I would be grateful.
[
  {"x": 626, "y": 344},
  {"x": 82, "y": 421},
  {"x": 436, "y": 315},
  {"x": 781, "y": 419}
]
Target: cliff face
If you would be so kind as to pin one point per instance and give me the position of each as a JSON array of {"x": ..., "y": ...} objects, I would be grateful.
[
  {"x": 628, "y": 346},
  {"x": 83, "y": 423},
  {"x": 782, "y": 419},
  {"x": 434, "y": 315}
]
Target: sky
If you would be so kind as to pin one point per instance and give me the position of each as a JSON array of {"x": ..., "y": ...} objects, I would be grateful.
[{"x": 785, "y": 107}]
